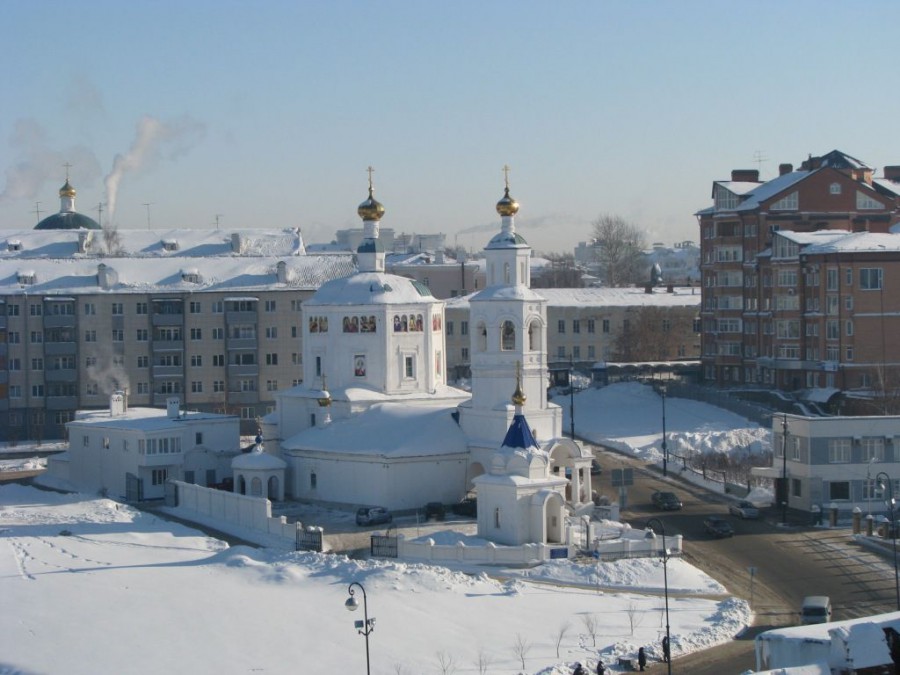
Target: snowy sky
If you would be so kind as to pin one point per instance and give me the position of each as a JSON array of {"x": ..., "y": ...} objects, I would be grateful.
[{"x": 267, "y": 114}]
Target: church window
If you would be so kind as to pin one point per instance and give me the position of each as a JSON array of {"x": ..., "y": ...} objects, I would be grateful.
[
  {"x": 313, "y": 480},
  {"x": 497, "y": 517},
  {"x": 256, "y": 487},
  {"x": 318, "y": 366},
  {"x": 409, "y": 367},
  {"x": 482, "y": 337},
  {"x": 508, "y": 336},
  {"x": 506, "y": 273}
]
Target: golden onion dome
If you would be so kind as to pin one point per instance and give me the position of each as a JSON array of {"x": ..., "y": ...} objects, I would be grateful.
[
  {"x": 371, "y": 209},
  {"x": 507, "y": 206},
  {"x": 518, "y": 397},
  {"x": 67, "y": 190}
]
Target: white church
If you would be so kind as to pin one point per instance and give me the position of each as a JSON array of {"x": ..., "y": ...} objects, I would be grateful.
[{"x": 375, "y": 422}]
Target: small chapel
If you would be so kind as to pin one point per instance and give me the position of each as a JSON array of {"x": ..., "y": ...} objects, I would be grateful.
[{"x": 376, "y": 423}]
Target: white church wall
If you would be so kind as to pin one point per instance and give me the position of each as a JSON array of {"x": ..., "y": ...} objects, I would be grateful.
[{"x": 489, "y": 554}]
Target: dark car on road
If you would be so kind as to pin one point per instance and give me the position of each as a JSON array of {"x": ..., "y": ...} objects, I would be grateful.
[
  {"x": 718, "y": 527},
  {"x": 467, "y": 507},
  {"x": 667, "y": 501},
  {"x": 373, "y": 515}
]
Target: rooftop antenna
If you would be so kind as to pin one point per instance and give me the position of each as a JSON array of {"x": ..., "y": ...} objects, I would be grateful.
[
  {"x": 148, "y": 204},
  {"x": 37, "y": 210},
  {"x": 218, "y": 215},
  {"x": 759, "y": 159},
  {"x": 100, "y": 214}
]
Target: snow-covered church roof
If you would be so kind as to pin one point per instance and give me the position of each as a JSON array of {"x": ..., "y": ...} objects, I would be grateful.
[{"x": 371, "y": 288}]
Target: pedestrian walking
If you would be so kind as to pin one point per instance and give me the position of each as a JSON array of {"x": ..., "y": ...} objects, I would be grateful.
[
  {"x": 579, "y": 670},
  {"x": 601, "y": 669},
  {"x": 665, "y": 646},
  {"x": 642, "y": 659}
]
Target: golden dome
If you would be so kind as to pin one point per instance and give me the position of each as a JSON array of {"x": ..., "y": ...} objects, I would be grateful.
[
  {"x": 518, "y": 396},
  {"x": 507, "y": 206},
  {"x": 371, "y": 209},
  {"x": 67, "y": 190}
]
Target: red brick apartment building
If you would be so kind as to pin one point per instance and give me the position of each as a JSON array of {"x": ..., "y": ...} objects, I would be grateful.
[{"x": 801, "y": 279}]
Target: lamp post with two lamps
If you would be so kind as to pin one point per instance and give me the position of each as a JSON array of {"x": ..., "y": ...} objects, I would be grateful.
[
  {"x": 662, "y": 390},
  {"x": 884, "y": 481},
  {"x": 651, "y": 534},
  {"x": 365, "y": 626}
]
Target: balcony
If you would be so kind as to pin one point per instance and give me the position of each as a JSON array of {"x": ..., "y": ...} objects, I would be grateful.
[
  {"x": 168, "y": 319},
  {"x": 2, "y": 316},
  {"x": 242, "y": 343},
  {"x": 60, "y": 348},
  {"x": 243, "y": 397},
  {"x": 60, "y": 320},
  {"x": 168, "y": 371},
  {"x": 61, "y": 375},
  {"x": 61, "y": 402},
  {"x": 235, "y": 370},
  {"x": 168, "y": 345},
  {"x": 240, "y": 318}
]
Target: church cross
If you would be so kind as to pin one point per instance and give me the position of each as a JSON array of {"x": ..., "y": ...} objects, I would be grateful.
[
  {"x": 506, "y": 175},
  {"x": 370, "y": 171},
  {"x": 68, "y": 166}
]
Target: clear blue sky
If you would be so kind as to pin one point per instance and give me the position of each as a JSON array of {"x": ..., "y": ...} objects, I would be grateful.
[{"x": 268, "y": 113}]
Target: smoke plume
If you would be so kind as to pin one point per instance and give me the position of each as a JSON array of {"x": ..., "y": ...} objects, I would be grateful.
[{"x": 154, "y": 140}]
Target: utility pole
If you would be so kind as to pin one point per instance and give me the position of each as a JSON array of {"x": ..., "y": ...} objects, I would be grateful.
[
  {"x": 100, "y": 214},
  {"x": 147, "y": 204},
  {"x": 37, "y": 210},
  {"x": 218, "y": 215}
]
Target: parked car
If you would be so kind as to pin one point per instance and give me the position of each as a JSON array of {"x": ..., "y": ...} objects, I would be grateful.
[
  {"x": 667, "y": 501},
  {"x": 373, "y": 515},
  {"x": 467, "y": 507},
  {"x": 718, "y": 527},
  {"x": 434, "y": 510},
  {"x": 743, "y": 509},
  {"x": 815, "y": 609}
]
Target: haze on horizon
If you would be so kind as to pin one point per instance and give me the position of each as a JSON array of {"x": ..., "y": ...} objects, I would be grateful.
[{"x": 267, "y": 114}]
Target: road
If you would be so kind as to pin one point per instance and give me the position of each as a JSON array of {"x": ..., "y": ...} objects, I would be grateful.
[{"x": 790, "y": 562}]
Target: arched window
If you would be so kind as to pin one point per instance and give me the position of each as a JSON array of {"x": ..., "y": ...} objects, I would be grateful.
[
  {"x": 255, "y": 487},
  {"x": 507, "y": 336},
  {"x": 505, "y": 273},
  {"x": 534, "y": 336},
  {"x": 481, "y": 336}
]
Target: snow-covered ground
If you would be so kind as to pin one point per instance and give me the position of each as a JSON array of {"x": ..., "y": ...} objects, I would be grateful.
[{"x": 92, "y": 586}]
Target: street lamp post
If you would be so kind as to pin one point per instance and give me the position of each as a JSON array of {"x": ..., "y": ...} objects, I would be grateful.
[
  {"x": 784, "y": 483},
  {"x": 367, "y": 625},
  {"x": 883, "y": 481},
  {"x": 571, "y": 398},
  {"x": 651, "y": 534},
  {"x": 664, "y": 447}
]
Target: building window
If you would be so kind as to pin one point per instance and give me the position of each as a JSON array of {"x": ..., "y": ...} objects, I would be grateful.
[
  {"x": 849, "y": 353},
  {"x": 37, "y": 390},
  {"x": 116, "y": 309},
  {"x": 196, "y": 360},
  {"x": 873, "y": 449},
  {"x": 271, "y": 359},
  {"x": 197, "y": 387},
  {"x": 143, "y": 387},
  {"x": 248, "y": 413},
  {"x": 143, "y": 362},
  {"x": 576, "y": 352},
  {"x": 590, "y": 326},
  {"x": 508, "y": 336},
  {"x": 90, "y": 336},
  {"x": 464, "y": 353},
  {"x": 271, "y": 385},
  {"x": 37, "y": 363},
  {"x": 196, "y": 334},
  {"x": 463, "y": 327},
  {"x": 865, "y": 203},
  {"x": 36, "y": 337},
  {"x": 561, "y": 326},
  {"x": 194, "y": 307},
  {"x": 270, "y": 305},
  {"x": 36, "y": 310},
  {"x": 849, "y": 328},
  {"x": 795, "y": 487},
  {"x": 218, "y": 386},
  {"x": 218, "y": 333},
  {"x": 409, "y": 367},
  {"x": 839, "y": 450},
  {"x": 606, "y": 326},
  {"x": 90, "y": 309},
  {"x": 158, "y": 476},
  {"x": 839, "y": 490},
  {"x": 272, "y": 333},
  {"x": 592, "y": 352},
  {"x": 870, "y": 278},
  {"x": 295, "y": 358},
  {"x": 576, "y": 326},
  {"x": 561, "y": 352},
  {"x": 140, "y": 308},
  {"x": 218, "y": 360},
  {"x": 834, "y": 188},
  {"x": 294, "y": 331},
  {"x": 218, "y": 307}
]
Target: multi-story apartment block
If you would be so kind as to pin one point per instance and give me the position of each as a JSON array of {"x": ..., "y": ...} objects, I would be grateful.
[
  {"x": 793, "y": 276},
  {"x": 590, "y": 325},
  {"x": 208, "y": 316}
]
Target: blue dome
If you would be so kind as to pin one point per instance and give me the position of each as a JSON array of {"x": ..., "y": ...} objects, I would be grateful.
[{"x": 68, "y": 220}]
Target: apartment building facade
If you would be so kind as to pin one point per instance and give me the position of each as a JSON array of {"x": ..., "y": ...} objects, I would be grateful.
[
  {"x": 792, "y": 293},
  {"x": 219, "y": 330}
]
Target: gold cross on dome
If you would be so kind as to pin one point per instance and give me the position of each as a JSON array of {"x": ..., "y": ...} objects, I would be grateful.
[
  {"x": 68, "y": 166},
  {"x": 506, "y": 175},
  {"x": 370, "y": 170}
]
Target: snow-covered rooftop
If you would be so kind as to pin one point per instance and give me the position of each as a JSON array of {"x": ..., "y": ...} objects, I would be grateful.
[
  {"x": 868, "y": 242},
  {"x": 605, "y": 297}
]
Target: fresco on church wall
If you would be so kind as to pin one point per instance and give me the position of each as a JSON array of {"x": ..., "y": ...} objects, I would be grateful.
[
  {"x": 359, "y": 324},
  {"x": 408, "y": 323},
  {"x": 318, "y": 324}
]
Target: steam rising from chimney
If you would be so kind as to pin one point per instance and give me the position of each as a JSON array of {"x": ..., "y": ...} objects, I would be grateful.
[{"x": 154, "y": 140}]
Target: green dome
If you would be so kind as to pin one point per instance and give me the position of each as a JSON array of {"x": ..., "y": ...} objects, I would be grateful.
[{"x": 69, "y": 220}]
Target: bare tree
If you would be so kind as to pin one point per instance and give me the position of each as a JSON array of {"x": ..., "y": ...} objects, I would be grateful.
[
  {"x": 521, "y": 647},
  {"x": 590, "y": 626},
  {"x": 483, "y": 662},
  {"x": 112, "y": 243},
  {"x": 634, "y": 617},
  {"x": 621, "y": 245},
  {"x": 560, "y": 635},
  {"x": 445, "y": 663}
]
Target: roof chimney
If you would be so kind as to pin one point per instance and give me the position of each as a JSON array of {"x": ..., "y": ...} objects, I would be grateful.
[
  {"x": 892, "y": 172},
  {"x": 117, "y": 404},
  {"x": 173, "y": 403},
  {"x": 745, "y": 175},
  {"x": 785, "y": 168}
]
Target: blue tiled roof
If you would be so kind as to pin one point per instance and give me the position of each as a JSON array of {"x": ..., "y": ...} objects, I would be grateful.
[{"x": 519, "y": 434}]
